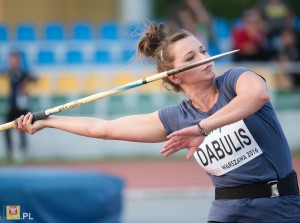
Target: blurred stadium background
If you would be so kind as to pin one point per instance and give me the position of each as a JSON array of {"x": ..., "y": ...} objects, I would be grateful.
[{"x": 80, "y": 47}]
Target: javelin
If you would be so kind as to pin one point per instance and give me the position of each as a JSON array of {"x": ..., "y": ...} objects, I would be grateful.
[{"x": 46, "y": 113}]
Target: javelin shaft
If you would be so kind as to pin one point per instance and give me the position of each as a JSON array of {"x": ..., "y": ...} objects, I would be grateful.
[{"x": 73, "y": 104}]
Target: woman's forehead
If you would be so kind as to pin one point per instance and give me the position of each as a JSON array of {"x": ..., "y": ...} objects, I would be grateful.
[{"x": 185, "y": 45}]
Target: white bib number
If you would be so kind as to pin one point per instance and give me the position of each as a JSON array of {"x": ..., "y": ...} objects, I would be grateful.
[{"x": 227, "y": 148}]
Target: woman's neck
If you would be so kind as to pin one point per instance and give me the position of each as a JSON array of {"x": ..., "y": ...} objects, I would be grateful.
[{"x": 204, "y": 98}]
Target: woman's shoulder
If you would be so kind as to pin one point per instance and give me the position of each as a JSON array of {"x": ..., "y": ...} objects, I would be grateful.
[
  {"x": 170, "y": 115},
  {"x": 227, "y": 81},
  {"x": 237, "y": 70},
  {"x": 176, "y": 108},
  {"x": 233, "y": 73}
]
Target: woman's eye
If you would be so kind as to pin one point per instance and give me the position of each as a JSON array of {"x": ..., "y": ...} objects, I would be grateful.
[
  {"x": 190, "y": 58},
  {"x": 203, "y": 51}
]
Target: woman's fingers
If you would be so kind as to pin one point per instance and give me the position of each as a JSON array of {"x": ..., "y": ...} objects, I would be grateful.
[
  {"x": 23, "y": 123},
  {"x": 28, "y": 123},
  {"x": 175, "y": 143},
  {"x": 171, "y": 143},
  {"x": 170, "y": 152},
  {"x": 29, "y": 120},
  {"x": 189, "y": 131},
  {"x": 20, "y": 122},
  {"x": 16, "y": 123},
  {"x": 25, "y": 119},
  {"x": 174, "y": 134},
  {"x": 179, "y": 141},
  {"x": 191, "y": 152}
]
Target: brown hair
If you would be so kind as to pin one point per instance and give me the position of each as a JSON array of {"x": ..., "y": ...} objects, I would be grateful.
[{"x": 154, "y": 44}]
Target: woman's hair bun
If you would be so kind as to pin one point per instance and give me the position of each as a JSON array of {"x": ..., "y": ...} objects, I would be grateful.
[{"x": 152, "y": 39}]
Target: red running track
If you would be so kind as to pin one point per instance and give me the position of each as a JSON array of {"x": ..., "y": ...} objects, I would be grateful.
[{"x": 156, "y": 174}]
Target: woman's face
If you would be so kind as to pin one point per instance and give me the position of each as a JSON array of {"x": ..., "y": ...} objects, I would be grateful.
[{"x": 189, "y": 50}]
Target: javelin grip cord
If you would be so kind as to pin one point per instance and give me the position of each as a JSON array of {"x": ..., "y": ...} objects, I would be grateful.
[{"x": 39, "y": 115}]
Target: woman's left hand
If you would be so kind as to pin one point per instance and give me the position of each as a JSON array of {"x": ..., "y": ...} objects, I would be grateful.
[{"x": 189, "y": 138}]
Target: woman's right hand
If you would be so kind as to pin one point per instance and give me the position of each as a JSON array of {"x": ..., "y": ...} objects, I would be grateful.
[
  {"x": 24, "y": 123},
  {"x": 189, "y": 138}
]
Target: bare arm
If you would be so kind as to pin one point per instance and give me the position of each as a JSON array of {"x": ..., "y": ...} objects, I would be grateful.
[
  {"x": 137, "y": 128},
  {"x": 252, "y": 94}
]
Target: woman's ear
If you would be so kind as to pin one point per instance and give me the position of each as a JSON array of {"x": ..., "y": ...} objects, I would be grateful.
[{"x": 174, "y": 79}]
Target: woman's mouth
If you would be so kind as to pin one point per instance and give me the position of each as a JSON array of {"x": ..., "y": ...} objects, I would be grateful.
[{"x": 208, "y": 67}]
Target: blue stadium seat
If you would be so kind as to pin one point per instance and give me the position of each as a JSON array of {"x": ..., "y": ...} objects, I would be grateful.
[
  {"x": 134, "y": 30},
  {"x": 74, "y": 57},
  {"x": 25, "y": 59},
  {"x": 26, "y": 32},
  {"x": 3, "y": 33},
  {"x": 109, "y": 30},
  {"x": 221, "y": 27},
  {"x": 82, "y": 31},
  {"x": 45, "y": 57},
  {"x": 102, "y": 56},
  {"x": 54, "y": 31},
  {"x": 213, "y": 48},
  {"x": 127, "y": 55}
]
